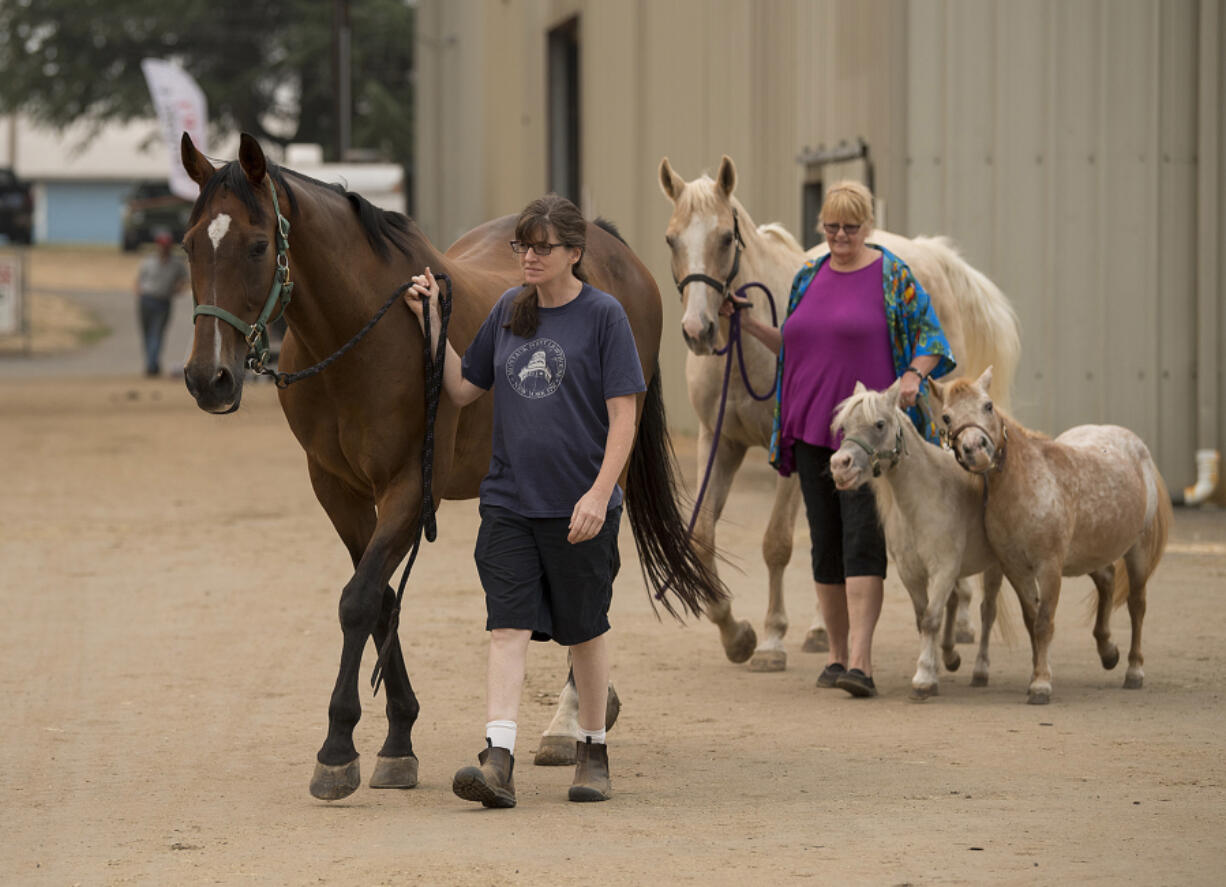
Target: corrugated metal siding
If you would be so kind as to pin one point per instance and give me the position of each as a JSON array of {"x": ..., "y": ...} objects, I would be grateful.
[{"x": 1055, "y": 141}]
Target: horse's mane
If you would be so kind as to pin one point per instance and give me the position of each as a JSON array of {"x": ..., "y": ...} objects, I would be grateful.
[
  {"x": 380, "y": 226},
  {"x": 872, "y": 402},
  {"x": 775, "y": 231}
]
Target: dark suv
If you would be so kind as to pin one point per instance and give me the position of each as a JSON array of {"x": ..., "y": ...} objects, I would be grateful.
[
  {"x": 149, "y": 208},
  {"x": 16, "y": 208}
]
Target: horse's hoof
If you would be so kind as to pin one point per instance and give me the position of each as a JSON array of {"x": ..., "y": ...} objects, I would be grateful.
[
  {"x": 1112, "y": 659},
  {"x": 612, "y": 709},
  {"x": 743, "y": 645},
  {"x": 394, "y": 772},
  {"x": 920, "y": 694},
  {"x": 979, "y": 680},
  {"x": 964, "y": 636},
  {"x": 1038, "y": 697},
  {"x": 1133, "y": 681},
  {"x": 953, "y": 661},
  {"x": 816, "y": 641},
  {"x": 769, "y": 660},
  {"x": 555, "y": 750},
  {"x": 331, "y": 783}
]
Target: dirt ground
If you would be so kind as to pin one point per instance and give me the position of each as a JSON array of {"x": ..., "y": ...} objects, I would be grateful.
[{"x": 169, "y": 641}]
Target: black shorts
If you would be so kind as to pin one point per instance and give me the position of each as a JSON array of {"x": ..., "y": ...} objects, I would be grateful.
[
  {"x": 843, "y": 524},
  {"x": 534, "y": 579}
]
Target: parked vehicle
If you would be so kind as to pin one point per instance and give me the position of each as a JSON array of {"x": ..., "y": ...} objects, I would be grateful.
[
  {"x": 16, "y": 208},
  {"x": 150, "y": 207}
]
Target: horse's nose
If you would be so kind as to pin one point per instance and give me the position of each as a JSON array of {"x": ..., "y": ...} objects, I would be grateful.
[
  {"x": 840, "y": 461},
  {"x": 701, "y": 339},
  {"x": 212, "y": 387}
]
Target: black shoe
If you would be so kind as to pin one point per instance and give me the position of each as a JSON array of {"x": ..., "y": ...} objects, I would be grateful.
[
  {"x": 857, "y": 683},
  {"x": 830, "y": 674}
]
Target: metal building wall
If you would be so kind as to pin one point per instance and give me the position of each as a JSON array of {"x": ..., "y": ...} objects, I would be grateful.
[{"x": 1056, "y": 141}]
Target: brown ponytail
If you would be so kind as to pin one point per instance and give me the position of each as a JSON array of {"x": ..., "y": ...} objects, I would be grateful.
[{"x": 533, "y": 225}]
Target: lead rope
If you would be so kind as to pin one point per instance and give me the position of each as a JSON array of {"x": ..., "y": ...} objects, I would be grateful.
[{"x": 426, "y": 522}]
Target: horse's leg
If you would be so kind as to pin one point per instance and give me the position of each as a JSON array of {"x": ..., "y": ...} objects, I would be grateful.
[
  {"x": 557, "y": 745},
  {"x": 1039, "y": 692},
  {"x": 987, "y": 618},
  {"x": 1104, "y": 582},
  {"x": 1138, "y": 575},
  {"x": 363, "y": 606},
  {"x": 955, "y": 610},
  {"x": 929, "y": 618},
  {"x": 776, "y": 552},
  {"x": 738, "y": 638},
  {"x": 962, "y": 598}
]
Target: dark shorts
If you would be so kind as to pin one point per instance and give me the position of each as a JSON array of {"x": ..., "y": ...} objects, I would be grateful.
[
  {"x": 843, "y": 524},
  {"x": 534, "y": 579}
]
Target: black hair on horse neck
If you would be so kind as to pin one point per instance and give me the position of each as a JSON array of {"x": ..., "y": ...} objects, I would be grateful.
[{"x": 380, "y": 226}]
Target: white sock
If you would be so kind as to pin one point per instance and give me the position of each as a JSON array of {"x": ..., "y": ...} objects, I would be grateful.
[
  {"x": 592, "y": 735},
  {"x": 501, "y": 734}
]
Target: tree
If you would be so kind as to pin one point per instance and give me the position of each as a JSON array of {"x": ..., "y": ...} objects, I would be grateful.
[{"x": 266, "y": 66}]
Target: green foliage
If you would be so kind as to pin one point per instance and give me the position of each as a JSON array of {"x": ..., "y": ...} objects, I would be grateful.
[{"x": 266, "y": 66}]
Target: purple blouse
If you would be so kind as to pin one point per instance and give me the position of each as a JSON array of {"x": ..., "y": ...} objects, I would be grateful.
[{"x": 837, "y": 336}]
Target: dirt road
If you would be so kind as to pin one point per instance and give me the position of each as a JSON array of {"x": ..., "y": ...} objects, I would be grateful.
[{"x": 170, "y": 640}]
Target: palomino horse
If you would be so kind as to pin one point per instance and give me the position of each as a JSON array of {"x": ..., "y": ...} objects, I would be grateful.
[
  {"x": 362, "y": 420},
  {"x": 932, "y": 512},
  {"x": 716, "y": 244},
  {"x": 1069, "y": 506}
]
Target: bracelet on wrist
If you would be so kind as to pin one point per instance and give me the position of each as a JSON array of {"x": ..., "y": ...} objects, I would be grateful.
[{"x": 911, "y": 369}]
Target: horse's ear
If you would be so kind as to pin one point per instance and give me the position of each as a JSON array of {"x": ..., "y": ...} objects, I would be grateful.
[
  {"x": 726, "y": 177},
  {"x": 251, "y": 159},
  {"x": 860, "y": 388},
  {"x": 936, "y": 390},
  {"x": 670, "y": 183},
  {"x": 196, "y": 164},
  {"x": 892, "y": 393},
  {"x": 985, "y": 379}
]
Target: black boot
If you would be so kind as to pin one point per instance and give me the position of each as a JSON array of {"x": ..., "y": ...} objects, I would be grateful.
[
  {"x": 591, "y": 772},
  {"x": 493, "y": 783}
]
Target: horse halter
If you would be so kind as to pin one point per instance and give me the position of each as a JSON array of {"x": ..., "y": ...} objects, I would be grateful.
[
  {"x": 724, "y": 288},
  {"x": 259, "y": 351},
  {"x": 875, "y": 457},
  {"x": 949, "y": 438}
]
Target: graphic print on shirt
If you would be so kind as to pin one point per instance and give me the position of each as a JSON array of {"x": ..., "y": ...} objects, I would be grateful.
[{"x": 536, "y": 368}]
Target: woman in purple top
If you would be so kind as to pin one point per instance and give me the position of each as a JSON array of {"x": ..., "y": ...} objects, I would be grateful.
[
  {"x": 857, "y": 314},
  {"x": 561, "y": 361}
]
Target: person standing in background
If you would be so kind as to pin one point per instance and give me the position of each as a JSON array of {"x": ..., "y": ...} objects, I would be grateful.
[{"x": 161, "y": 277}]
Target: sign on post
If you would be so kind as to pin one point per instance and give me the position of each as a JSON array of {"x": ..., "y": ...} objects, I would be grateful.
[{"x": 12, "y": 296}]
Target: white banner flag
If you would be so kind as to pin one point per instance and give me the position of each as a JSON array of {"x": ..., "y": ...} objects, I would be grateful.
[{"x": 181, "y": 108}]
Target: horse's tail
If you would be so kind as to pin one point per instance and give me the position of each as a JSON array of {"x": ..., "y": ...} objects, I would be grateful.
[
  {"x": 668, "y": 560},
  {"x": 990, "y": 328}
]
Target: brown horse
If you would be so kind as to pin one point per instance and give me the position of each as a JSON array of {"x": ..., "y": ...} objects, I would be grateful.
[
  {"x": 362, "y": 420},
  {"x": 1063, "y": 507}
]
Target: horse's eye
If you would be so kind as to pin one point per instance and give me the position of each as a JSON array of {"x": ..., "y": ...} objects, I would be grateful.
[
  {"x": 726, "y": 240},
  {"x": 671, "y": 241},
  {"x": 945, "y": 418},
  {"x": 259, "y": 248},
  {"x": 881, "y": 424},
  {"x": 987, "y": 407}
]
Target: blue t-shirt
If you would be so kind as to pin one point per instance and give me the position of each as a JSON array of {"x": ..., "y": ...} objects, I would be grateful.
[{"x": 551, "y": 423}]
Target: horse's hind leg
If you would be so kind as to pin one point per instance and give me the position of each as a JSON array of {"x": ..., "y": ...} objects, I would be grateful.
[
  {"x": 557, "y": 745},
  {"x": 776, "y": 552},
  {"x": 987, "y": 618},
  {"x": 1134, "y": 678},
  {"x": 955, "y": 614},
  {"x": 738, "y": 638},
  {"x": 396, "y": 766},
  {"x": 1104, "y": 582},
  {"x": 962, "y": 596}
]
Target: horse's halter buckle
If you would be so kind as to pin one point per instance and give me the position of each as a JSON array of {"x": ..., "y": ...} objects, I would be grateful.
[
  {"x": 259, "y": 351},
  {"x": 875, "y": 457},
  {"x": 724, "y": 288}
]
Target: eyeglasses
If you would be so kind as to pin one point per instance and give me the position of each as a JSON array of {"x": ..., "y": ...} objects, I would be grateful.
[
  {"x": 520, "y": 248},
  {"x": 849, "y": 230}
]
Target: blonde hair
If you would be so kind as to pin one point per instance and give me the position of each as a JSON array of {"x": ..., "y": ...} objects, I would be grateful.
[{"x": 847, "y": 201}]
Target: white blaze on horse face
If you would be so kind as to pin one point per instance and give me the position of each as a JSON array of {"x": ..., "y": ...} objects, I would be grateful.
[
  {"x": 693, "y": 240},
  {"x": 218, "y": 228}
]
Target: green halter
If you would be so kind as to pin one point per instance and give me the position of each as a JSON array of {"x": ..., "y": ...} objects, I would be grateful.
[{"x": 256, "y": 334}]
